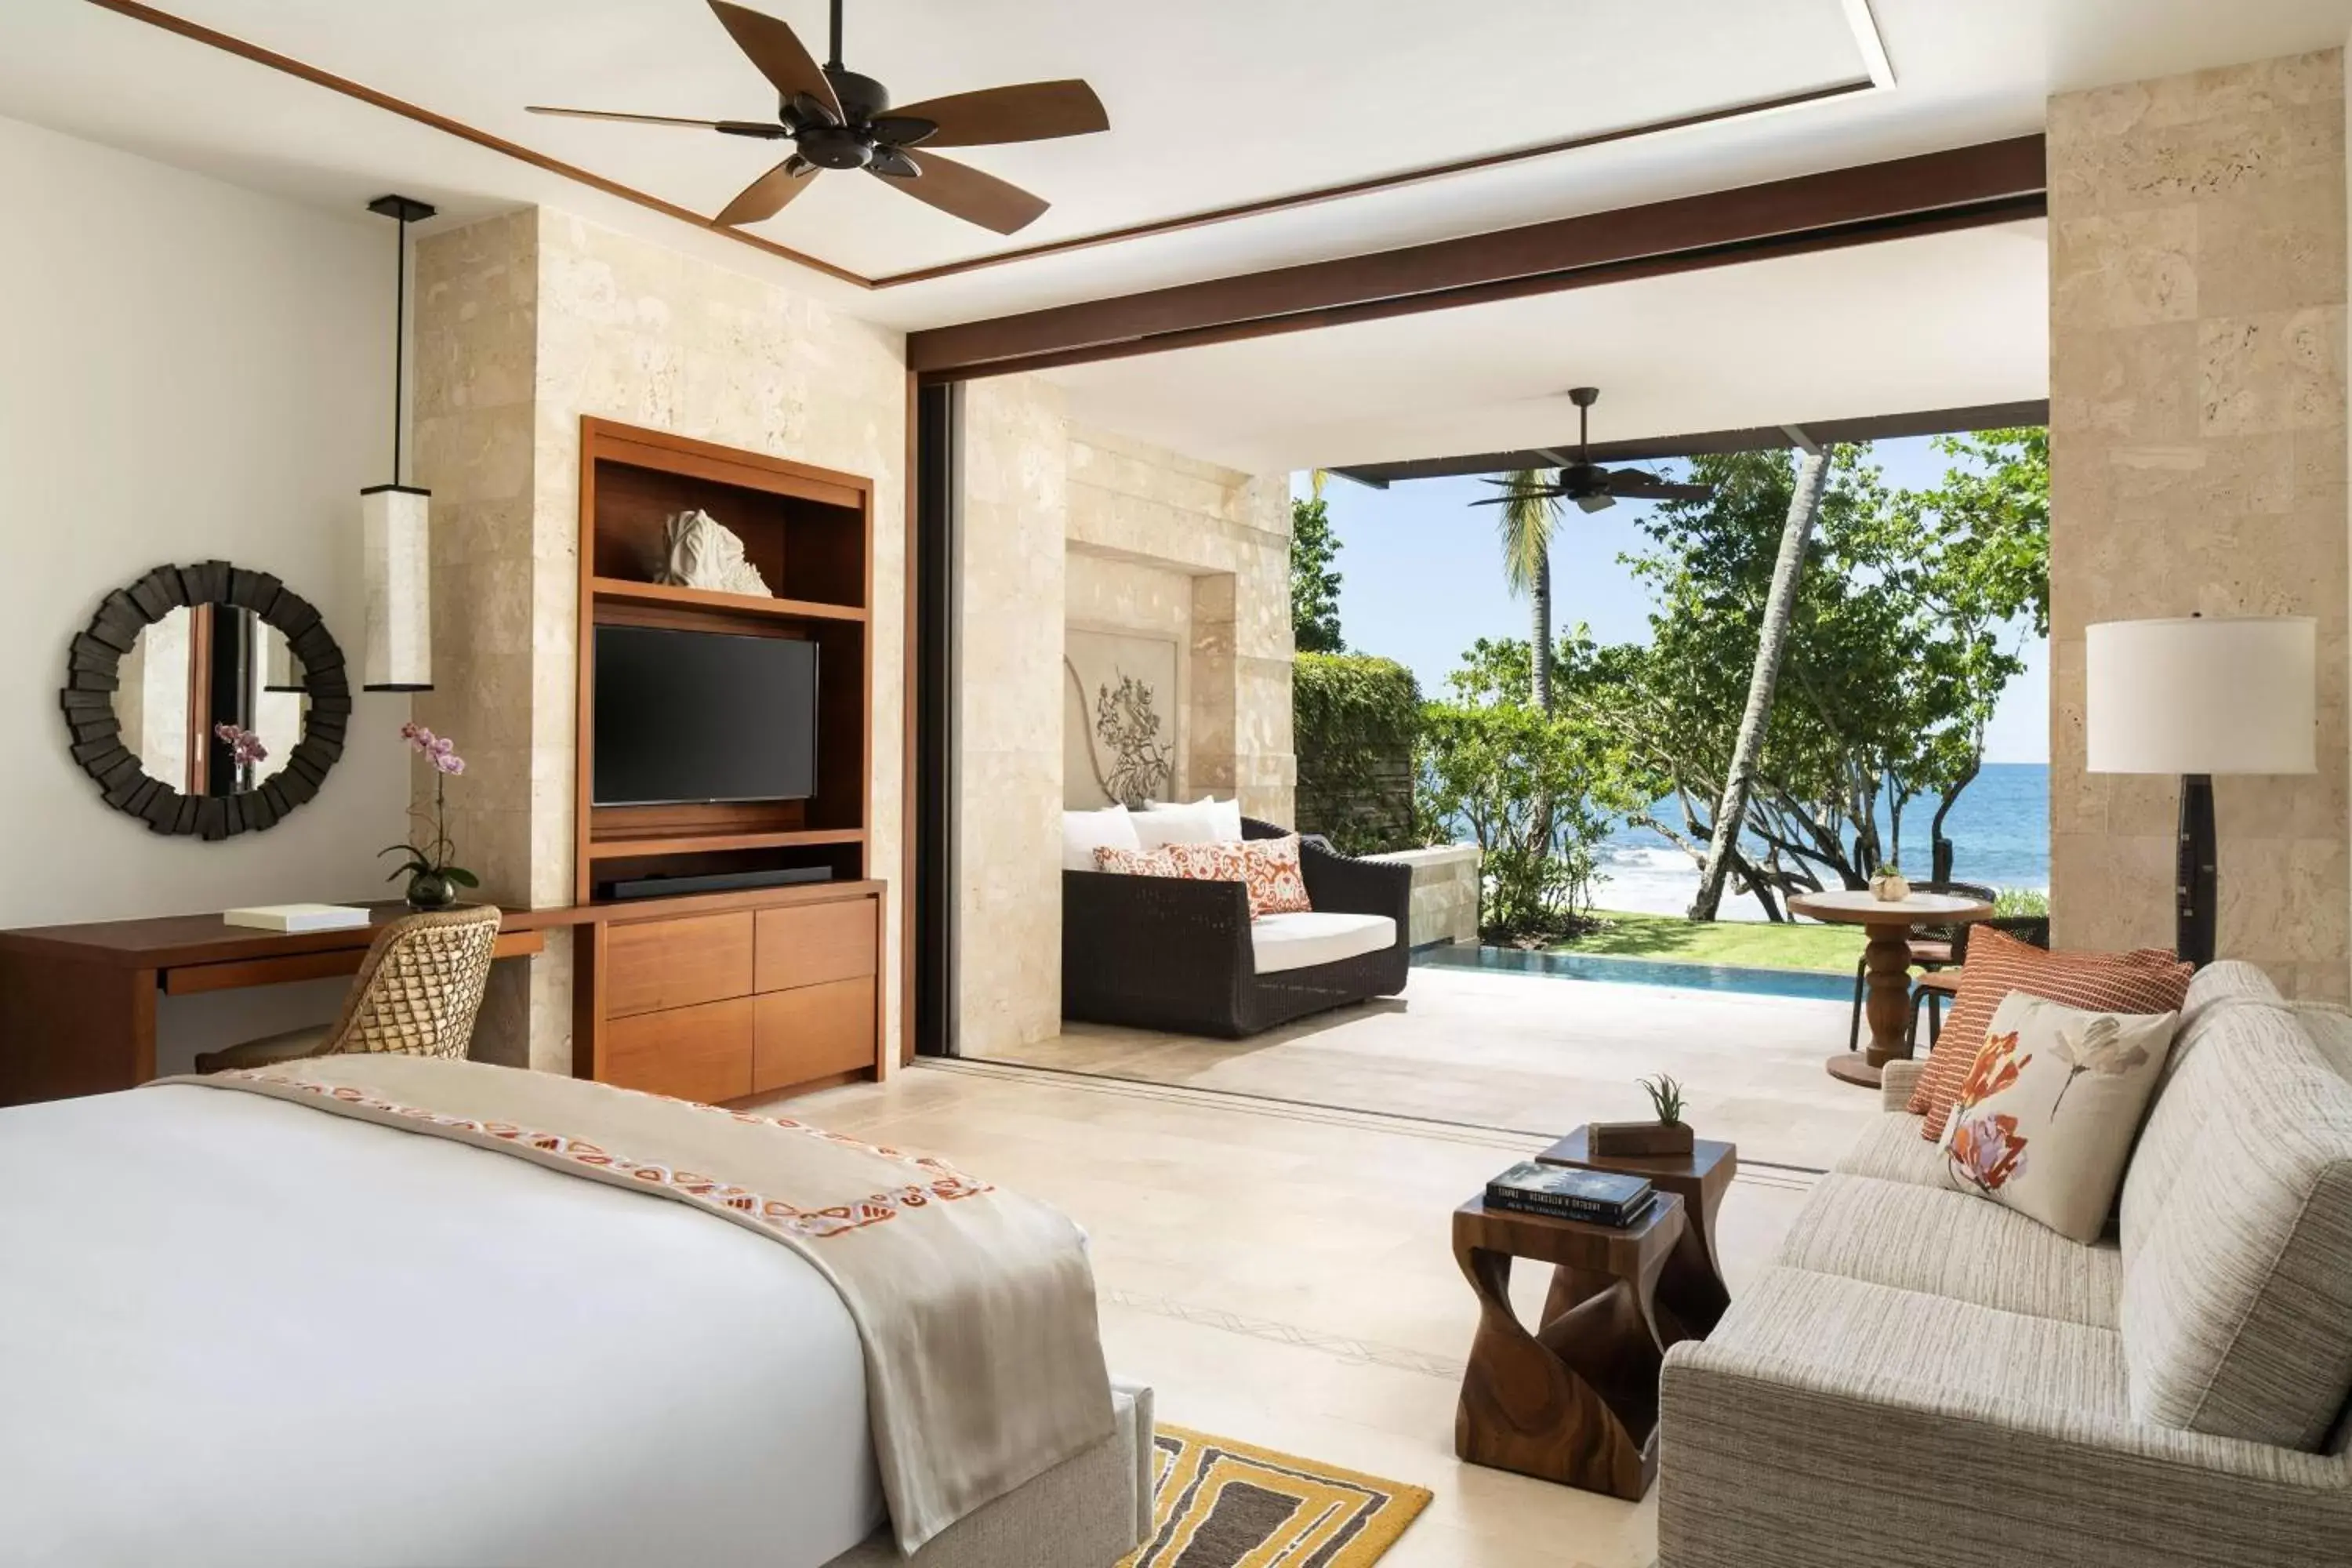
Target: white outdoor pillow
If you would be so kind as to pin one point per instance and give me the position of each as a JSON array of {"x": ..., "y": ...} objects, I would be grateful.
[
  {"x": 1084, "y": 832},
  {"x": 2045, "y": 1122},
  {"x": 1205, "y": 821}
]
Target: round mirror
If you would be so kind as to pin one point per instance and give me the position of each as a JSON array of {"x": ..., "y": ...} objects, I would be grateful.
[{"x": 206, "y": 699}]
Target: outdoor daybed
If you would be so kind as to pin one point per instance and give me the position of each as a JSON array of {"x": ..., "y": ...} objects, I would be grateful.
[{"x": 1161, "y": 952}]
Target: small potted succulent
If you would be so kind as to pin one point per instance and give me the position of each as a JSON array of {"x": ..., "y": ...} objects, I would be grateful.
[
  {"x": 1888, "y": 884},
  {"x": 433, "y": 881},
  {"x": 1667, "y": 1136}
]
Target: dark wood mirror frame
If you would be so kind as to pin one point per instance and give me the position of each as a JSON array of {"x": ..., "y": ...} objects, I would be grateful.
[{"x": 93, "y": 673}]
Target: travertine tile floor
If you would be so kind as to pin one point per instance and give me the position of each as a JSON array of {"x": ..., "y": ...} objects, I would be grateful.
[
  {"x": 1283, "y": 1275},
  {"x": 1527, "y": 1052}
]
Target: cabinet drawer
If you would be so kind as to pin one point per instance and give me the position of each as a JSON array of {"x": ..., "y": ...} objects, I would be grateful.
[
  {"x": 653, "y": 964},
  {"x": 695, "y": 1053},
  {"x": 811, "y": 944},
  {"x": 811, "y": 1032}
]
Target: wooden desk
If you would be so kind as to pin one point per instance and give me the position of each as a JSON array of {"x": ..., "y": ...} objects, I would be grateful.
[{"x": 77, "y": 1002}]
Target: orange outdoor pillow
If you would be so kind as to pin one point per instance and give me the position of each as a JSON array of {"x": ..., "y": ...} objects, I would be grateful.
[{"x": 2146, "y": 980}]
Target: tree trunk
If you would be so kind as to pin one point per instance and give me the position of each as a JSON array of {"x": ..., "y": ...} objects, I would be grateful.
[
  {"x": 1539, "y": 649},
  {"x": 1779, "y": 606}
]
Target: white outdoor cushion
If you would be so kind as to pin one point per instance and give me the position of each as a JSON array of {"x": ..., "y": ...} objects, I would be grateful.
[
  {"x": 1204, "y": 821},
  {"x": 1084, "y": 831},
  {"x": 1316, "y": 936}
]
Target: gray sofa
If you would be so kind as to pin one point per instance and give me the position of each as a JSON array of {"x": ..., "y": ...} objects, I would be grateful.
[{"x": 1925, "y": 1378}]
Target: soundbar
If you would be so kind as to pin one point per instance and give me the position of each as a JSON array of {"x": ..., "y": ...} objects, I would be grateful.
[{"x": 711, "y": 882}]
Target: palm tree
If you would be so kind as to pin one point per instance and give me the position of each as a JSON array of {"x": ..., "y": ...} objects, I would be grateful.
[
  {"x": 1530, "y": 512},
  {"x": 1772, "y": 641}
]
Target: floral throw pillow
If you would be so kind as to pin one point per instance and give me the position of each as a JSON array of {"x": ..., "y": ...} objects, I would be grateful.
[
  {"x": 2046, "y": 1116},
  {"x": 1134, "y": 862},
  {"x": 1277, "y": 882}
]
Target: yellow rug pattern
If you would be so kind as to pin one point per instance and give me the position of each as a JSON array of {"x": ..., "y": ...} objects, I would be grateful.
[{"x": 1220, "y": 1504}]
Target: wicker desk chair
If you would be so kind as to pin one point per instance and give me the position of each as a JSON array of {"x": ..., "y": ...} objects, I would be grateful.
[
  {"x": 417, "y": 993},
  {"x": 1932, "y": 948}
]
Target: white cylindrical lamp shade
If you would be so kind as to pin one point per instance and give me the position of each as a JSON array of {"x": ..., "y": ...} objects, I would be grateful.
[
  {"x": 394, "y": 541},
  {"x": 2215, "y": 694}
]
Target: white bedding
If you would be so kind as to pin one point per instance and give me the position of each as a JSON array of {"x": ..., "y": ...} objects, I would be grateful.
[{"x": 213, "y": 1314}]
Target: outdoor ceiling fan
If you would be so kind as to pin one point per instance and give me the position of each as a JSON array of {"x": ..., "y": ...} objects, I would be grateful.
[
  {"x": 837, "y": 119},
  {"x": 1596, "y": 488}
]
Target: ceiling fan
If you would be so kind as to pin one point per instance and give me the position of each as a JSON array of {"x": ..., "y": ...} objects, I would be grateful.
[
  {"x": 1597, "y": 488},
  {"x": 837, "y": 119}
]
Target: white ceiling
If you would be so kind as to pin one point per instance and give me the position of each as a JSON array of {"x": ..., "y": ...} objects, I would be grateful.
[
  {"x": 1314, "y": 90},
  {"x": 1946, "y": 321}
]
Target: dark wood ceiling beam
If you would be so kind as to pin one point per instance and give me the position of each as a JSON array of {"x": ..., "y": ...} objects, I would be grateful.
[
  {"x": 1708, "y": 443},
  {"x": 1993, "y": 183}
]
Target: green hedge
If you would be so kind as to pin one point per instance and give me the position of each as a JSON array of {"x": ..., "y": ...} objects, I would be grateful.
[{"x": 1354, "y": 718}]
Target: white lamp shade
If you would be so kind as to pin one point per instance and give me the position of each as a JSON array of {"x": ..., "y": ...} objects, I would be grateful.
[
  {"x": 2203, "y": 695},
  {"x": 396, "y": 558}
]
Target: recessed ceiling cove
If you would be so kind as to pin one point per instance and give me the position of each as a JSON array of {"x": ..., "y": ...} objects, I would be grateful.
[{"x": 1211, "y": 103}]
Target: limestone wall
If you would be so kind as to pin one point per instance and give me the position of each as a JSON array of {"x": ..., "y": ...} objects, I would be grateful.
[
  {"x": 525, "y": 324},
  {"x": 1444, "y": 891},
  {"x": 2197, "y": 463}
]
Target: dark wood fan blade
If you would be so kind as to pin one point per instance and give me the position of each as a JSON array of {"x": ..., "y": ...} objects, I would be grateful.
[
  {"x": 1028, "y": 111},
  {"x": 1635, "y": 485},
  {"x": 777, "y": 51},
  {"x": 964, "y": 192},
  {"x": 769, "y": 193},
  {"x": 1533, "y": 495}
]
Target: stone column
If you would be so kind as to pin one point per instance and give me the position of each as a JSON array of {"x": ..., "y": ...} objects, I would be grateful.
[{"x": 2197, "y": 463}]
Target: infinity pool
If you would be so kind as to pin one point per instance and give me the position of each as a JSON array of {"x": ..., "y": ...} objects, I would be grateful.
[{"x": 1808, "y": 985}]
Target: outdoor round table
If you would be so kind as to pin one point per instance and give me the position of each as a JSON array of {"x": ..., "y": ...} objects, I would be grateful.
[{"x": 1887, "y": 961}]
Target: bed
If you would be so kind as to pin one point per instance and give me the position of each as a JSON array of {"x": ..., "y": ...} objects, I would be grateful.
[{"x": 239, "y": 1330}]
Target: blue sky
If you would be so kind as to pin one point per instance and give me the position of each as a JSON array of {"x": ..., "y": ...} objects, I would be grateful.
[{"x": 1421, "y": 579}]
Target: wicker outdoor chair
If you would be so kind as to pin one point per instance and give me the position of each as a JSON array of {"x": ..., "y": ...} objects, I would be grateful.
[
  {"x": 417, "y": 993},
  {"x": 1159, "y": 953}
]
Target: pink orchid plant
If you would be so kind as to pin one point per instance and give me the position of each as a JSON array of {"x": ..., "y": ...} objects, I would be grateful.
[
  {"x": 245, "y": 750},
  {"x": 433, "y": 881}
]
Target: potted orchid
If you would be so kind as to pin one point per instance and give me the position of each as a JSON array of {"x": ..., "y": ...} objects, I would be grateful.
[
  {"x": 246, "y": 751},
  {"x": 433, "y": 881}
]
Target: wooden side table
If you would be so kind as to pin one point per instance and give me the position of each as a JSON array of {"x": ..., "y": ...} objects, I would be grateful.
[
  {"x": 1691, "y": 1290},
  {"x": 1576, "y": 1401}
]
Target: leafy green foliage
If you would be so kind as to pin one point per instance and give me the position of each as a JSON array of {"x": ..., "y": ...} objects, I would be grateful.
[
  {"x": 1899, "y": 647},
  {"x": 1314, "y": 586},
  {"x": 2020, "y": 903},
  {"x": 1536, "y": 791},
  {"x": 1355, "y": 718}
]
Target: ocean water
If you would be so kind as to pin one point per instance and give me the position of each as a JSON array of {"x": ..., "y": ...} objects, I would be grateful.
[{"x": 1999, "y": 832}]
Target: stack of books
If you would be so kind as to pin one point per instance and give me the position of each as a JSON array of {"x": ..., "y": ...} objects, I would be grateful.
[{"x": 1563, "y": 1191}]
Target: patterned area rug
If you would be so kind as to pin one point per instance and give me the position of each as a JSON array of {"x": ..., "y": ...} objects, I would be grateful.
[{"x": 1227, "y": 1505}]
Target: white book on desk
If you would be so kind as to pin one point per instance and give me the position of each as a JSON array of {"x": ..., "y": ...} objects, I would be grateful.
[{"x": 298, "y": 917}]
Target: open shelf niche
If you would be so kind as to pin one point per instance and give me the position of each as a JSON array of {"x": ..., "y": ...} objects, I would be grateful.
[{"x": 809, "y": 531}]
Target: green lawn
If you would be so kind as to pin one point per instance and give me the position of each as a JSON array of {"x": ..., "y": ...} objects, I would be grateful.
[{"x": 1757, "y": 944}]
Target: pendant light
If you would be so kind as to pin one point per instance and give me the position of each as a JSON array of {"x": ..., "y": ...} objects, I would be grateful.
[{"x": 395, "y": 523}]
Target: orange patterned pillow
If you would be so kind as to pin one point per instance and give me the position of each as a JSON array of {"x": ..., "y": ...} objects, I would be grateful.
[
  {"x": 2146, "y": 980},
  {"x": 1134, "y": 862},
  {"x": 1277, "y": 883}
]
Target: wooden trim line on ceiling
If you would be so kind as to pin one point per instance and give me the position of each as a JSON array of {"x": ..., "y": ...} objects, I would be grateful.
[
  {"x": 1705, "y": 443},
  {"x": 227, "y": 43},
  {"x": 1997, "y": 182},
  {"x": 1367, "y": 187}
]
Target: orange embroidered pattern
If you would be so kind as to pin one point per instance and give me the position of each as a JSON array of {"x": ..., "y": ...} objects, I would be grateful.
[
  {"x": 947, "y": 1184},
  {"x": 1988, "y": 1151}
]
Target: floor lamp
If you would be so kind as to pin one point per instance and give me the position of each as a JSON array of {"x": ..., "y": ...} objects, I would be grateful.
[{"x": 2197, "y": 697}]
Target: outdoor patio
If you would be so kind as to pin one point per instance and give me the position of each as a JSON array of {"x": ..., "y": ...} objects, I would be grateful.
[{"x": 1530, "y": 1053}]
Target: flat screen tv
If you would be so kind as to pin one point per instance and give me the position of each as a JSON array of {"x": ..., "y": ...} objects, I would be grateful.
[{"x": 692, "y": 718}]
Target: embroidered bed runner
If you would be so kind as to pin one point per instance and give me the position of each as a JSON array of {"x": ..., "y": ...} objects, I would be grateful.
[{"x": 976, "y": 1306}]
